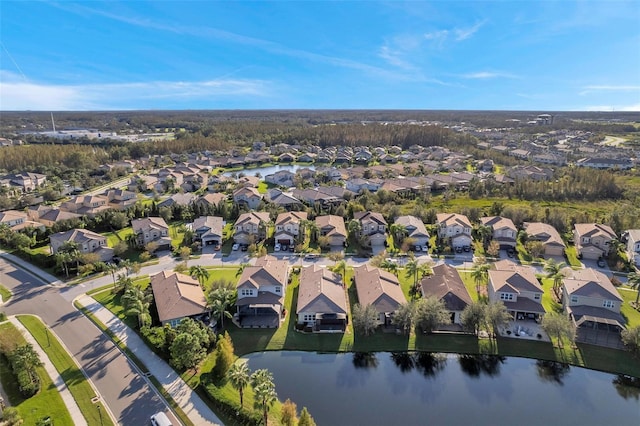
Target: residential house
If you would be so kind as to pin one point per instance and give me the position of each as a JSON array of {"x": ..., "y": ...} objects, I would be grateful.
[
  {"x": 373, "y": 228},
  {"x": 26, "y": 181},
  {"x": 288, "y": 227},
  {"x": 504, "y": 231},
  {"x": 454, "y": 229},
  {"x": 332, "y": 226},
  {"x": 591, "y": 300},
  {"x": 445, "y": 284},
  {"x": 261, "y": 291},
  {"x": 547, "y": 235},
  {"x": 120, "y": 199},
  {"x": 415, "y": 229},
  {"x": 208, "y": 230},
  {"x": 247, "y": 196},
  {"x": 281, "y": 178},
  {"x": 605, "y": 163},
  {"x": 87, "y": 242},
  {"x": 633, "y": 245},
  {"x": 13, "y": 218},
  {"x": 518, "y": 288},
  {"x": 251, "y": 227},
  {"x": 53, "y": 216},
  {"x": 316, "y": 196},
  {"x": 283, "y": 199},
  {"x": 178, "y": 296},
  {"x": 322, "y": 301},
  {"x": 142, "y": 183},
  {"x": 358, "y": 185},
  {"x": 152, "y": 229},
  {"x": 178, "y": 199},
  {"x": 380, "y": 289},
  {"x": 592, "y": 240},
  {"x": 88, "y": 205},
  {"x": 307, "y": 157},
  {"x": 211, "y": 199}
]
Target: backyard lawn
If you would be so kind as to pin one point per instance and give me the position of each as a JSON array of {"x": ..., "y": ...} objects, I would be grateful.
[{"x": 46, "y": 403}]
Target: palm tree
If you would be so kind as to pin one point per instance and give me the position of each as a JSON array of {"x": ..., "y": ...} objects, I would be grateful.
[
  {"x": 199, "y": 273},
  {"x": 62, "y": 261},
  {"x": 241, "y": 268},
  {"x": 354, "y": 229},
  {"x": 219, "y": 300},
  {"x": 340, "y": 268},
  {"x": 484, "y": 232},
  {"x": 633, "y": 279},
  {"x": 264, "y": 391},
  {"x": 112, "y": 268},
  {"x": 398, "y": 231},
  {"x": 479, "y": 274},
  {"x": 412, "y": 268},
  {"x": 554, "y": 270},
  {"x": 238, "y": 376},
  {"x": 390, "y": 266},
  {"x": 137, "y": 302}
]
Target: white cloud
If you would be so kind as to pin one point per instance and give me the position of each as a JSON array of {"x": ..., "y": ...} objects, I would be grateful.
[
  {"x": 480, "y": 75},
  {"x": 611, "y": 88},
  {"x": 456, "y": 34},
  {"x": 17, "y": 94},
  {"x": 465, "y": 33}
]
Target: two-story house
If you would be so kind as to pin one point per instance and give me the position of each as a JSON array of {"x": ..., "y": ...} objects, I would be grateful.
[
  {"x": 380, "y": 289},
  {"x": 518, "y": 288},
  {"x": 591, "y": 300},
  {"x": 261, "y": 291},
  {"x": 207, "y": 230},
  {"x": 322, "y": 301},
  {"x": 281, "y": 178},
  {"x": 373, "y": 228},
  {"x": 152, "y": 229},
  {"x": 247, "y": 196},
  {"x": 454, "y": 229},
  {"x": 592, "y": 240},
  {"x": 504, "y": 231},
  {"x": 13, "y": 218},
  {"x": 177, "y": 296},
  {"x": 547, "y": 235},
  {"x": 288, "y": 227},
  {"x": 251, "y": 227},
  {"x": 88, "y": 205},
  {"x": 86, "y": 241},
  {"x": 633, "y": 245},
  {"x": 120, "y": 199},
  {"x": 332, "y": 227},
  {"x": 415, "y": 229}
]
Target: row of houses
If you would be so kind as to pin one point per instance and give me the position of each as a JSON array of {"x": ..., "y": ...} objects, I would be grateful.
[{"x": 588, "y": 296}]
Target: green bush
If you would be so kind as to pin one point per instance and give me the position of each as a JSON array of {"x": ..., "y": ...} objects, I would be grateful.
[{"x": 29, "y": 384}]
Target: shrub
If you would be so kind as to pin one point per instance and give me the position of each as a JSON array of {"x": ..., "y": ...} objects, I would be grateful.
[{"x": 28, "y": 384}]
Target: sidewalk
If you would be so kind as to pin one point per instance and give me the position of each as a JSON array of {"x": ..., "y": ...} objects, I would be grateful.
[
  {"x": 192, "y": 405},
  {"x": 30, "y": 269},
  {"x": 67, "y": 398}
]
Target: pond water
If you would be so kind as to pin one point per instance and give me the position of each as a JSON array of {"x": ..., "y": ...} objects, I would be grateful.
[
  {"x": 441, "y": 389},
  {"x": 267, "y": 170}
]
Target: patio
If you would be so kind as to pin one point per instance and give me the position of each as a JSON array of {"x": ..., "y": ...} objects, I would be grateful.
[{"x": 525, "y": 329}]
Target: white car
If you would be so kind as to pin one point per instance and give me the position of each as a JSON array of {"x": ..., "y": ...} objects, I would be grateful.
[
  {"x": 425, "y": 249},
  {"x": 276, "y": 247},
  {"x": 235, "y": 247}
]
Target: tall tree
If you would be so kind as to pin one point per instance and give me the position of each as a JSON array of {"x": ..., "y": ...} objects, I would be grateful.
[
  {"x": 136, "y": 302},
  {"x": 473, "y": 317},
  {"x": 340, "y": 267},
  {"x": 403, "y": 317},
  {"x": 200, "y": 273},
  {"x": 219, "y": 300},
  {"x": 559, "y": 325},
  {"x": 430, "y": 313},
  {"x": 238, "y": 376},
  {"x": 305, "y": 418},
  {"x": 289, "y": 413},
  {"x": 264, "y": 391},
  {"x": 633, "y": 279},
  {"x": 497, "y": 317},
  {"x": 479, "y": 273},
  {"x": 365, "y": 319},
  {"x": 555, "y": 270},
  {"x": 631, "y": 339}
]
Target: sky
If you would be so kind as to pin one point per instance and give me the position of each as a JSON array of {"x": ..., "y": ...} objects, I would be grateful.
[{"x": 501, "y": 55}]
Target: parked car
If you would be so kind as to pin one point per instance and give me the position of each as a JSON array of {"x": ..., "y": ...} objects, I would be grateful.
[
  {"x": 277, "y": 247},
  {"x": 417, "y": 248},
  {"x": 244, "y": 247},
  {"x": 292, "y": 249},
  {"x": 217, "y": 247},
  {"x": 235, "y": 247},
  {"x": 425, "y": 249},
  {"x": 602, "y": 263}
]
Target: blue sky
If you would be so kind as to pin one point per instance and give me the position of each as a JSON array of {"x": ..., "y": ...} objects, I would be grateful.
[{"x": 507, "y": 55}]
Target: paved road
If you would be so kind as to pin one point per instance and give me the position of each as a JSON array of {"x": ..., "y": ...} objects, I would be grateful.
[{"x": 129, "y": 397}]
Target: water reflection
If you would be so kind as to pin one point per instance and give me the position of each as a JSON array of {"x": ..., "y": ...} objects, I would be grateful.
[
  {"x": 552, "y": 371},
  {"x": 627, "y": 387},
  {"x": 365, "y": 360},
  {"x": 476, "y": 365}
]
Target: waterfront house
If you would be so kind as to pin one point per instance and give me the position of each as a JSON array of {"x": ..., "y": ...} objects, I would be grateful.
[
  {"x": 261, "y": 291},
  {"x": 322, "y": 301},
  {"x": 178, "y": 296},
  {"x": 380, "y": 289},
  {"x": 445, "y": 284},
  {"x": 518, "y": 288}
]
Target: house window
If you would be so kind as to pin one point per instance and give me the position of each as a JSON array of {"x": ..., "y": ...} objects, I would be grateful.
[
  {"x": 506, "y": 296},
  {"x": 246, "y": 292},
  {"x": 608, "y": 304},
  {"x": 278, "y": 289},
  {"x": 574, "y": 299},
  {"x": 309, "y": 317},
  {"x": 536, "y": 296},
  {"x": 585, "y": 239}
]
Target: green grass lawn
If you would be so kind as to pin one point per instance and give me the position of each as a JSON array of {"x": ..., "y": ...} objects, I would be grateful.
[
  {"x": 548, "y": 301},
  {"x": 46, "y": 403},
  {"x": 176, "y": 234},
  {"x": 115, "y": 237},
  {"x": 632, "y": 315},
  {"x": 76, "y": 381},
  {"x": 470, "y": 284},
  {"x": 228, "y": 273},
  {"x": 5, "y": 293},
  {"x": 572, "y": 257}
]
